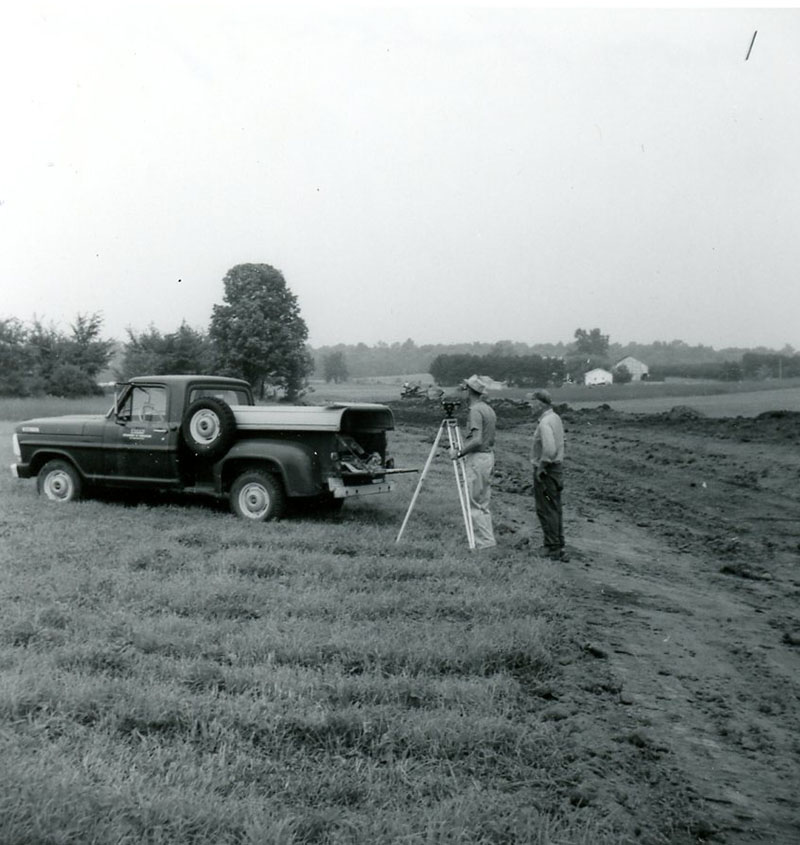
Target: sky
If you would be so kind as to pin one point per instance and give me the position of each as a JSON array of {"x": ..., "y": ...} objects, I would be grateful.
[{"x": 442, "y": 172}]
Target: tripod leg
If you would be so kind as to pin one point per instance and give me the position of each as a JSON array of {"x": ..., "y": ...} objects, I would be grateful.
[
  {"x": 462, "y": 485},
  {"x": 465, "y": 481},
  {"x": 421, "y": 479},
  {"x": 454, "y": 438}
]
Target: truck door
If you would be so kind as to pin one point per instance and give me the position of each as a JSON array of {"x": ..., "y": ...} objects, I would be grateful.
[{"x": 141, "y": 446}]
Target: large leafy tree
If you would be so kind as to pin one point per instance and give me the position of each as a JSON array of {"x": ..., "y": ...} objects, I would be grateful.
[{"x": 258, "y": 332}]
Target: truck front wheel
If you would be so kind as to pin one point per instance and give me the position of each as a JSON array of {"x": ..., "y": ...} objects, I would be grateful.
[
  {"x": 257, "y": 495},
  {"x": 58, "y": 481}
]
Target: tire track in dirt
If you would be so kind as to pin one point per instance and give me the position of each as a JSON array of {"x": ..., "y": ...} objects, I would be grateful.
[
  {"x": 695, "y": 666},
  {"x": 685, "y": 575}
]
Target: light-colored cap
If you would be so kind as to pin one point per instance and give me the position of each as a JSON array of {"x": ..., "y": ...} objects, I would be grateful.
[{"x": 475, "y": 383}]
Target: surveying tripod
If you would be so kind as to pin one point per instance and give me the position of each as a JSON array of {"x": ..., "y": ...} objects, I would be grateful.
[{"x": 450, "y": 426}]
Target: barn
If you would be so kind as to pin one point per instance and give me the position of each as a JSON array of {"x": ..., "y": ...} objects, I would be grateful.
[
  {"x": 597, "y": 376},
  {"x": 638, "y": 369}
]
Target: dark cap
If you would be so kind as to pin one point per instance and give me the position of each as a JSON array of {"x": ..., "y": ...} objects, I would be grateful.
[{"x": 540, "y": 396}]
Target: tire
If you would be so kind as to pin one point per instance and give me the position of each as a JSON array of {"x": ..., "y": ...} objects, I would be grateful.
[
  {"x": 209, "y": 427},
  {"x": 59, "y": 481},
  {"x": 258, "y": 496}
]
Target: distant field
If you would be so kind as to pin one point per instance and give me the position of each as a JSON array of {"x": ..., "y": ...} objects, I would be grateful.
[
  {"x": 48, "y": 406},
  {"x": 715, "y": 399}
]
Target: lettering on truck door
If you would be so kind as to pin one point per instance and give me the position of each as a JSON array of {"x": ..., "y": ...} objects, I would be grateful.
[{"x": 141, "y": 445}]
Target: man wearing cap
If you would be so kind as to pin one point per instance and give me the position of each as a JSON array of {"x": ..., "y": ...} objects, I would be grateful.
[
  {"x": 477, "y": 450},
  {"x": 547, "y": 457}
]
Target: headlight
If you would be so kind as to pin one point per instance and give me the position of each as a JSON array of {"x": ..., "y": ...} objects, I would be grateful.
[{"x": 15, "y": 446}]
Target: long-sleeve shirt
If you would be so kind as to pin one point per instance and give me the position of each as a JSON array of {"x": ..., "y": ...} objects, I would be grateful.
[{"x": 548, "y": 440}]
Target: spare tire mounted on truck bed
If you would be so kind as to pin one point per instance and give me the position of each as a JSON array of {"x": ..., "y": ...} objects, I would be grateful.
[{"x": 209, "y": 427}]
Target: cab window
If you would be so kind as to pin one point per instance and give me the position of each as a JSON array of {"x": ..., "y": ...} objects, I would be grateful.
[{"x": 229, "y": 395}]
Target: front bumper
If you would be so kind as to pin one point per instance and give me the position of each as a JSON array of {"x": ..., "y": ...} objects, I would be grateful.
[{"x": 21, "y": 470}]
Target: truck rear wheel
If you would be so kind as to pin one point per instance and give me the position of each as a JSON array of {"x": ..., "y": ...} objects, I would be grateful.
[
  {"x": 257, "y": 495},
  {"x": 58, "y": 481},
  {"x": 209, "y": 427}
]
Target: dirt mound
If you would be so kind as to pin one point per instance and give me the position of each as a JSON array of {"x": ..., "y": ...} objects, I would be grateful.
[
  {"x": 791, "y": 416},
  {"x": 683, "y": 412}
]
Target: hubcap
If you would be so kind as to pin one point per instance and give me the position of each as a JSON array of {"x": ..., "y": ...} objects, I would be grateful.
[
  {"x": 58, "y": 486},
  {"x": 204, "y": 427},
  {"x": 254, "y": 500}
]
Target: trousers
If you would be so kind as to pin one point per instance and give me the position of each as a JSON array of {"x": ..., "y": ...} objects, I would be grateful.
[
  {"x": 479, "y": 467},
  {"x": 547, "y": 497}
]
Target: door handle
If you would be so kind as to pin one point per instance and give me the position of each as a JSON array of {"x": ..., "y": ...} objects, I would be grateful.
[{"x": 159, "y": 431}]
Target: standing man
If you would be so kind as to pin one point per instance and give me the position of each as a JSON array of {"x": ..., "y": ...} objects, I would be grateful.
[
  {"x": 547, "y": 457},
  {"x": 477, "y": 450}
]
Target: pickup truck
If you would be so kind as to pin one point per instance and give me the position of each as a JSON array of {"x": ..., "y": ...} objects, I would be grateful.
[{"x": 205, "y": 434}]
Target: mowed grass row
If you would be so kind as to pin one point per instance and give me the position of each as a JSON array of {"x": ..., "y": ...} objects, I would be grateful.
[{"x": 171, "y": 674}]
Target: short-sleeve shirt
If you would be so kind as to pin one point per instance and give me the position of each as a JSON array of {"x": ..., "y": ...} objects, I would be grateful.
[
  {"x": 481, "y": 424},
  {"x": 548, "y": 439}
]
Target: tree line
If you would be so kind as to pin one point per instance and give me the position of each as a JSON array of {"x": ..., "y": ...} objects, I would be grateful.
[
  {"x": 517, "y": 371},
  {"x": 256, "y": 333},
  {"x": 37, "y": 358},
  {"x": 588, "y": 349}
]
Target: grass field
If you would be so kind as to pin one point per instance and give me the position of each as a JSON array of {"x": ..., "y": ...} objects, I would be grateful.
[
  {"x": 173, "y": 675},
  {"x": 170, "y": 674}
]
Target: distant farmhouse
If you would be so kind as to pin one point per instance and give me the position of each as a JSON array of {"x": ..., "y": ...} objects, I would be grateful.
[
  {"x": 635, "y": 367},
  {"x": 597, "y": 376}
]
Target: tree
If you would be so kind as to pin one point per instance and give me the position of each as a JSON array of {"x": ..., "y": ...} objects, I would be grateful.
[
  {"x": 45, "y": 344},
  {"x": 258, "y": 333},
  {"x": 85, "y": 349},
  {"x": 591, "y": 343},
  {"x": 622, "y": 375},
  {"x": 15, "y": 358},
  {"x": 183, "y": 351},
  {"x": 70, "y": 380},
  {"x": 144, "y": 354},
  {"x": 335, "y": 367}
]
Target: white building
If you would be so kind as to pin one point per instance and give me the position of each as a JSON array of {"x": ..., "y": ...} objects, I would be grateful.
[
  {"x": 635, "y": 367},
  {"x": 597, "y": 376}
]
